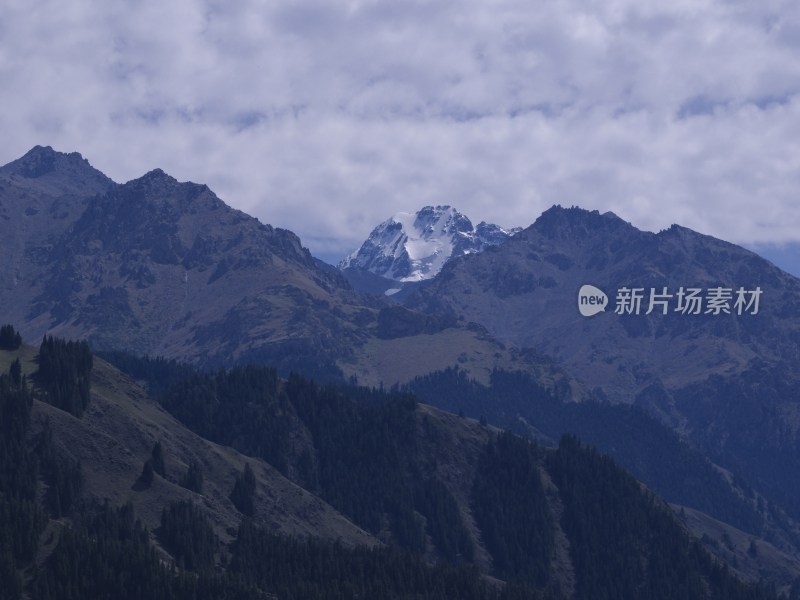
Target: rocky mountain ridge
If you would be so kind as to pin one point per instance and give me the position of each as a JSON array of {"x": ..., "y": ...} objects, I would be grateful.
[
  {"x": 413, "y": 247},
  {"x": 525, "y": 293},
  {"x": 165, "y": 266}
]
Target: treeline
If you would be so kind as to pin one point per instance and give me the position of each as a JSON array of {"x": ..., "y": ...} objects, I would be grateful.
[
  {"x": 362, "y": 456},
  {"x": 64, "y": 374},
  {"x": 646, "y": 447},
  {"x": 312, "y": 570},
  {"x": 512, "y": 510},
  {"x": 624, "y": 542},
  {"x": 365, "y": 455},
  {"x": 760, "y": 443},
  {"x": 240, "y": 408},
  {"x": 107, "y": 554},
  {"x": 243, "y": 494},
  {"x": 361, "y": 450},
  {"x": 21, "y": 517},
  {"x": 368, "y": 464},
  {"x": 25, "y": 458},
  {"x": 10, "y": 339},
  {"x": 62, "y": 474},
  {"x": 188, "y": 536},
  {"x": 444, "y": 523},
  {"x": 158, "y": 373}
]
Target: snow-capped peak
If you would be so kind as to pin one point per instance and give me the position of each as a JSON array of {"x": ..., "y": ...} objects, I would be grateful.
[{"x": 415, "y": 246}]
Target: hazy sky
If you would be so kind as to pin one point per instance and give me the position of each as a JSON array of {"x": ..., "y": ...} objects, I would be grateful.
[{"x": 327, "y": 117}]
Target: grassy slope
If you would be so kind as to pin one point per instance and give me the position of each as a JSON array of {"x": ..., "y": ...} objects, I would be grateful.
[
  {"x": 400, "y": 360},
  {"x": 117, "y": 433},
  {"x": 733, "y": 546}
]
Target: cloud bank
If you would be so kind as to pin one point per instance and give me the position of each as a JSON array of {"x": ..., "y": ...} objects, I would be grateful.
[{"x": 326, "y": 118}]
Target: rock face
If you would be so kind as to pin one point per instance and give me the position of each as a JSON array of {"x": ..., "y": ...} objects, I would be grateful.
[
  {"x": 161, "y": 267},
  {"x": 42, "y": 195},
  {"x": 413, "y": 247}
]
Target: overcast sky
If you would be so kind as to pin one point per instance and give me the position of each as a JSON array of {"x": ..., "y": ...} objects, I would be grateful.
[{"x": 328, "y": 117}]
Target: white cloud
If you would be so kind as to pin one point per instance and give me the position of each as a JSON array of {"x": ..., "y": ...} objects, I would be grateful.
[{"x": 326, "y": 118}]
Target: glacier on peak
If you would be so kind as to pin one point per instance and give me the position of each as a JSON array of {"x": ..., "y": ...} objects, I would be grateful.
[{"x": 412, "y": 247}]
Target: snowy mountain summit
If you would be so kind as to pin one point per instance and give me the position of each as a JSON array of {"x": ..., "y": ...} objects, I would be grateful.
[{"x": 415, "y": 246}]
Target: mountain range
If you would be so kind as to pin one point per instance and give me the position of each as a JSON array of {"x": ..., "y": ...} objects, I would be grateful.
[
  {"x": 728, "y": 383},
  {"x": 526, "y": 292},
  {"x": 702, "y": 408},
  {"x": 165, "y": 268},
  {"x": 146, "y": 262}
]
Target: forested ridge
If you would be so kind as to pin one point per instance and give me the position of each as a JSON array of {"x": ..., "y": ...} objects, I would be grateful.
[
  {"x": 651, "y": 451},
  {"x": 364, "y": 452}
]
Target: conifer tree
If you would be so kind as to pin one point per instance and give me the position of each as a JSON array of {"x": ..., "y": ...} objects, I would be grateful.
[
  {"x": 157, "y": 457},
  {"x": 193, "y": 479},
  {"x": 9, "y": 338},
  {"x": 147, "y": 473},
  {"x": 244, "y": 491}
]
